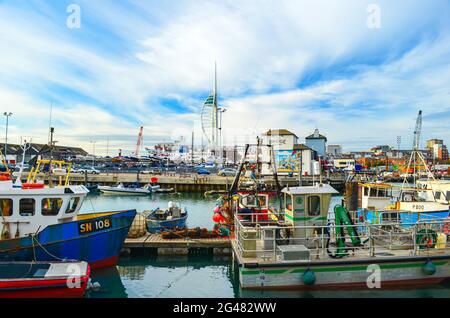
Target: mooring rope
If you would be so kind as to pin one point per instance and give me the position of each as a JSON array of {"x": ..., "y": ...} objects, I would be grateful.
[{"x": 44, "y": 249}]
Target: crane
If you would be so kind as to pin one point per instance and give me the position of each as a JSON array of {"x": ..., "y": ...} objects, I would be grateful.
[{"x": 139, "y": 142}]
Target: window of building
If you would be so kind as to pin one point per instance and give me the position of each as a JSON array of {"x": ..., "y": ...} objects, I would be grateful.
[
  {"x": 51, "y": 206},
  {"x": 314, "y": 205},
  {"x": 73, "y": 204},
  {"x": 27, "y": 207},
  {"x": 6, "y": 207}
]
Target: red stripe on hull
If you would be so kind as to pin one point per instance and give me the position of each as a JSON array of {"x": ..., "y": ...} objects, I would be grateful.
[
  {"x": 358, "y": 285},
  {"x": 109, "y": 262},
  {"x": 42, "y": 289}
]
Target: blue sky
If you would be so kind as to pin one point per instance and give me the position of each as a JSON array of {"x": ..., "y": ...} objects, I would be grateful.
[{"x": 282, "y": 64}]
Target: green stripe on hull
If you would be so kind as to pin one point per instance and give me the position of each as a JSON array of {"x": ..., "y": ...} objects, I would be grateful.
[
  {"x": 338, "y": 269},
  {"x": 323, "y": 218}
]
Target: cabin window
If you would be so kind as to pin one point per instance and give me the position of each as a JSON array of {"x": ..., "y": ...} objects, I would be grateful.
[
  {"x": 6, "y": 207},
  {"x": 249, "y": 201},
  {"x": 73, "y": 204},
  {"x": 289, "y": 203},
  {"x": 27, "y": 207},
  {"x": 448, "y": 196},
  {"x": 373, "y": 192},
  {"x": 437, "y": 195},
  {"x": 314, "y": 205},
  {"x": 51, "y": 206}
]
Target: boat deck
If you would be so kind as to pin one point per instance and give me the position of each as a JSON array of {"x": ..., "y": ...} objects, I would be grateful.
[
  {"x": 178, "y": 246},
  {"x": 261, "y": 257}
]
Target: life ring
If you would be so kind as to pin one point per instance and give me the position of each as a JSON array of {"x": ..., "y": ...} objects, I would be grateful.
[{"x": 426, "y": 239}]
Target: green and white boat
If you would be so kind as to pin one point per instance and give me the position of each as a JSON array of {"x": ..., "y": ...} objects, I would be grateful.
[{"x": 305, "y": 246}]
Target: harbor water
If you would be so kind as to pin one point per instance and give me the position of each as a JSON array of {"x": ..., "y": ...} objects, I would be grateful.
[{"x": 199, "y": 276}]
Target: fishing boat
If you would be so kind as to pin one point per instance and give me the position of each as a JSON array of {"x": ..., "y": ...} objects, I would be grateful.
[
  {"x": 434, "y": 190},
  {"x": 42, "y": 223},
  {"x": 44, "y": 279},
  {"x": 301, "y": 244},
  {"x": 159, "y": 220},
  {"x": 375, "y": 203},
  {"x": 305, "y": 248},
  {"x": 123, "y": 190},
  {"x": 93, "y": 188}
]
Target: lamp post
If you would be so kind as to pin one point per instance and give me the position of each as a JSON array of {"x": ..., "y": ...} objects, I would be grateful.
[
  {"x": 399, "y": 141},
  {"x": 221, "y": 111},
  {"x": 6, "y": 135}
]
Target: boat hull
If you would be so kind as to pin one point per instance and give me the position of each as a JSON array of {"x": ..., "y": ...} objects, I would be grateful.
[
  {"x": 96, "y": 239},
  {"x": 124, "y": 192},
  {"x": 343, "y": 274},
  {"x": 154, "y": 226},
  {"x": 24, "y": 280}
]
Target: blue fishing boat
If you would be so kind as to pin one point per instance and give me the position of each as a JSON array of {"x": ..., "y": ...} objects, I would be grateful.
[
  {"x": 42, "y": 223},
  {"x": 160, "y": 220}
]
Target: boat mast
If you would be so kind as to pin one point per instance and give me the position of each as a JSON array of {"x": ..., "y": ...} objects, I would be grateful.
[
  {"x": 51, "y": 144},
  {"x": 416, "y": 156},
  {"x": 25, "y": 146}
]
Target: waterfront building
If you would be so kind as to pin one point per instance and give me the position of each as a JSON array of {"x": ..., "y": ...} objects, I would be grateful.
[
  {"x": 334, "y": 150},
  {"x": 436, "y": 149},
  {"x": 288, "y": 154},
  {"x": 317, "y": 142},
  {"x": 344, "y": 163},
  {"x": 15, "y": 152}
]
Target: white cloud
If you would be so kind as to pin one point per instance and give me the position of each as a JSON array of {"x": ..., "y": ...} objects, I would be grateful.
[{"x": 128, "y": 56}]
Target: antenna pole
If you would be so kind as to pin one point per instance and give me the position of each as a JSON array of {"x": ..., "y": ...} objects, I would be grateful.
[{"x": 50, "y": 121}]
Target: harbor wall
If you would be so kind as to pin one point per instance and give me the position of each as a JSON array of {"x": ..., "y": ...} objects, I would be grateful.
[{"x": 186, "y": 182}]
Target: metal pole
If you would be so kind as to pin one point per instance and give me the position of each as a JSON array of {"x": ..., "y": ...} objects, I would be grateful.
[
  {"x": 192, "y": 149},
  {"x": 107, "y": 146},
  {"x": 6, "y": 135},
  {"x": 300, "y": 169}
]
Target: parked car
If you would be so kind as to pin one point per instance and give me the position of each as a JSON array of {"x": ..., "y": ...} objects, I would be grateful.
[
  {"x": 227, "y": 172},
  {"x": 203, "y": 171},
  {"x": 90, "y": 170}
]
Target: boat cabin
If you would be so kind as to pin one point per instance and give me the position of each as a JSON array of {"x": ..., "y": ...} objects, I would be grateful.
[
  {"x": 25, "y": 211},
  {"x": 253, "y": 207},
  {"x": 307, "y": 206},
  {"x": 374, "y": 196}
]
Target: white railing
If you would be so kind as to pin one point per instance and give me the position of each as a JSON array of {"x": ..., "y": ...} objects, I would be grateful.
[{"x": 261, "y": 240}]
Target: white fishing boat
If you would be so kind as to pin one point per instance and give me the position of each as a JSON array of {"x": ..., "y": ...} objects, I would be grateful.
[
  {"x": 123, "y": 190},
  {"x": 434, "y": 190}
]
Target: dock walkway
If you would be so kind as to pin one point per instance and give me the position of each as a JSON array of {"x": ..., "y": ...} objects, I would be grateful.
[{"x": 182, "y": 246}]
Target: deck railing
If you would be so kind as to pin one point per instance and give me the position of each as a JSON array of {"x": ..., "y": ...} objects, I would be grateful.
[{"x": 261, "y": 240}]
